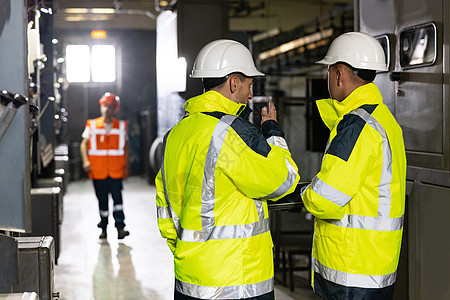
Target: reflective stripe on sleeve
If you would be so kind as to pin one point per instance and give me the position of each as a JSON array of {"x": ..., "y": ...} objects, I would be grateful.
[
  {"x": 278, "y": 141},
  {"x": 328, "y": 192},
  {"x": 283, "y": 188},
  {"x": 163, "y": 212},
  {"x": 173, "y": 215},
  {"x": 353, "y": 280},
  {"x": 259, "y": 209},
  {"x": 225, "y": 292}
]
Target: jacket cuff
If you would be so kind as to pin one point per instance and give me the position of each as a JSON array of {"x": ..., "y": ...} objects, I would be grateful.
[{"x": 271, "y": 128}]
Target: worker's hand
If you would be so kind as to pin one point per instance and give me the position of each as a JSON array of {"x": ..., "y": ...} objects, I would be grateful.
[
  {"x": 270, "y": 114},
  {"x": 87, "y": 166}
]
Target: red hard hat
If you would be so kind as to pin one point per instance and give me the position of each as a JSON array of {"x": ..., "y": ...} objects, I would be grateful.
[{"x": 110, "y": 98}]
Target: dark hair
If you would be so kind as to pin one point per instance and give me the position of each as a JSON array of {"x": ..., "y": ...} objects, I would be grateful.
[
  {"x": 367, "y": 75},
  {"x": 364, "y": 74},
  {"x": 209, "y": 83}
]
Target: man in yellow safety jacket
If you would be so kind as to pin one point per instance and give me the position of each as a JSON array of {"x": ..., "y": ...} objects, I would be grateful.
[
  {"x": 218, "y": 172},
  {"x": 358, "y": 197},
  {"x": 104, "y": 152}
]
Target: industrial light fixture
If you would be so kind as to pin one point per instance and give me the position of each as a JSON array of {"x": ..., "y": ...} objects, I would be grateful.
[
  {"x": 77, "y": 14},
  {"x": 164, "y": 4},
  {"x": 89, "y": 10},
  {"x": 98, "y": 34},
  {"x": 266, "y": 34},
  {"x": 297, "y": 43}
]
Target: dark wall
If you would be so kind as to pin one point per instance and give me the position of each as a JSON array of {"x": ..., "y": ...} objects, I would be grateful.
[
  {"x": 199, "y": 22},
  {"x": 136, "y": 86}
]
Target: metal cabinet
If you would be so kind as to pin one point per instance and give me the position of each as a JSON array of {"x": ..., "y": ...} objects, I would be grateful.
[
  {"x": 46, "y": 204},
  {"x": 416, "y": 89},
  {"x": 36, "y": 266}
]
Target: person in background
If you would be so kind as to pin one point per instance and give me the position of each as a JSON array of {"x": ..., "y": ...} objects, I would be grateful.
[
  {"x": 218, "y": 172},
  {"x": 358, "y": 197},
  {"x": 104, "y": 152}
]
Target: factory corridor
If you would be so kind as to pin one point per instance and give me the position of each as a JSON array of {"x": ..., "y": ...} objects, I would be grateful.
[{"x": 137, "y": 267}]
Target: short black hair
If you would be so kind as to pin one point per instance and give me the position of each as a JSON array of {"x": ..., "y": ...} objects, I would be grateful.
[
  {"x": 364, "y": 74},
  {"x": 209, "y": 83}
]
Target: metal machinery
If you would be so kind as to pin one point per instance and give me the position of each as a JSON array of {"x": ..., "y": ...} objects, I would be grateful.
[
  {"x": 415, "y": 35},
  {"x": 31, "y": 192}
]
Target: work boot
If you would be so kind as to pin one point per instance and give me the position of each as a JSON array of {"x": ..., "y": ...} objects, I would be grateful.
[
  {"x": 103, "y": 234},
  {"x": 121, "y": 233}
]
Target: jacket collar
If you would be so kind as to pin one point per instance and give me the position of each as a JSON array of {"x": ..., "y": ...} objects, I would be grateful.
[
  {"x": 213, "y": 101},
  {"x": 332, "y": 110}
]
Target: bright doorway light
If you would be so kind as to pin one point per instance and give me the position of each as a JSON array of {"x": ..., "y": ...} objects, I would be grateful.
[
  {"x": 77, "y": 63},
  {"x": 103, "y": 63}
]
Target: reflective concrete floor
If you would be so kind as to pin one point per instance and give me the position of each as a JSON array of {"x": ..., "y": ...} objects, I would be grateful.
[{"x": 137, "y": 267}]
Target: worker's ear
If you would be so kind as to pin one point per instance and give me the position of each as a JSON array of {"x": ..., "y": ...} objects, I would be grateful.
[
  {"x": 338, "y": 77},
  {"x": 234, "y": 82}
]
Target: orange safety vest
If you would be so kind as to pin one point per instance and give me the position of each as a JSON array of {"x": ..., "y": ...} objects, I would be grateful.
[{"x": 106, "y": 151}]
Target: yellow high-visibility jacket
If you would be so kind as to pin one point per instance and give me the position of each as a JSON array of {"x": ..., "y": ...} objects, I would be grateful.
[
  {"x": 358, "y": 197},
  {"x": 218, "y": 171}
]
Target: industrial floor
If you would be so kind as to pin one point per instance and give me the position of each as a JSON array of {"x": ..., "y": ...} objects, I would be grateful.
[{"x": 137, "y": 267}]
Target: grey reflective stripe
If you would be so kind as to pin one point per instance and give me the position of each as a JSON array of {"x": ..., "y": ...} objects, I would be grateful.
[
  {"x": 104, "y": 213},
  {"x": 225, "y": 232},
  {"x": 163, "y": 212},
  {"x": 353, "y": 280},
  {"x": 370, "y": 223},
  {"x": 278, "y": 141},
  {"x": 384, "y": 206},
  {"x": 176, "y": 220},
  {"x": 303, "y": 190},
  {"x": 209, "y": 180},
  {"x": 118, "y": 207},
  {"x": 328, "y": 192},
  {"x": 286, "y": 185},
  {"x": 225, "y": 292},
  {"x": 259, "y": 209}
]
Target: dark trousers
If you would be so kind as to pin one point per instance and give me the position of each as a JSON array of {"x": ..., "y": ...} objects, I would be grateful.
[
  {"x": 268, "y": 296},
  {"x": 103, "y": 188},
  {"x": 331, "y": 291}
]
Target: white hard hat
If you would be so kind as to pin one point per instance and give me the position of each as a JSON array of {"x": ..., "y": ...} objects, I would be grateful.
[
  {"x": 357, "y": 49},
  {"x": 222, "y": 57}
]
